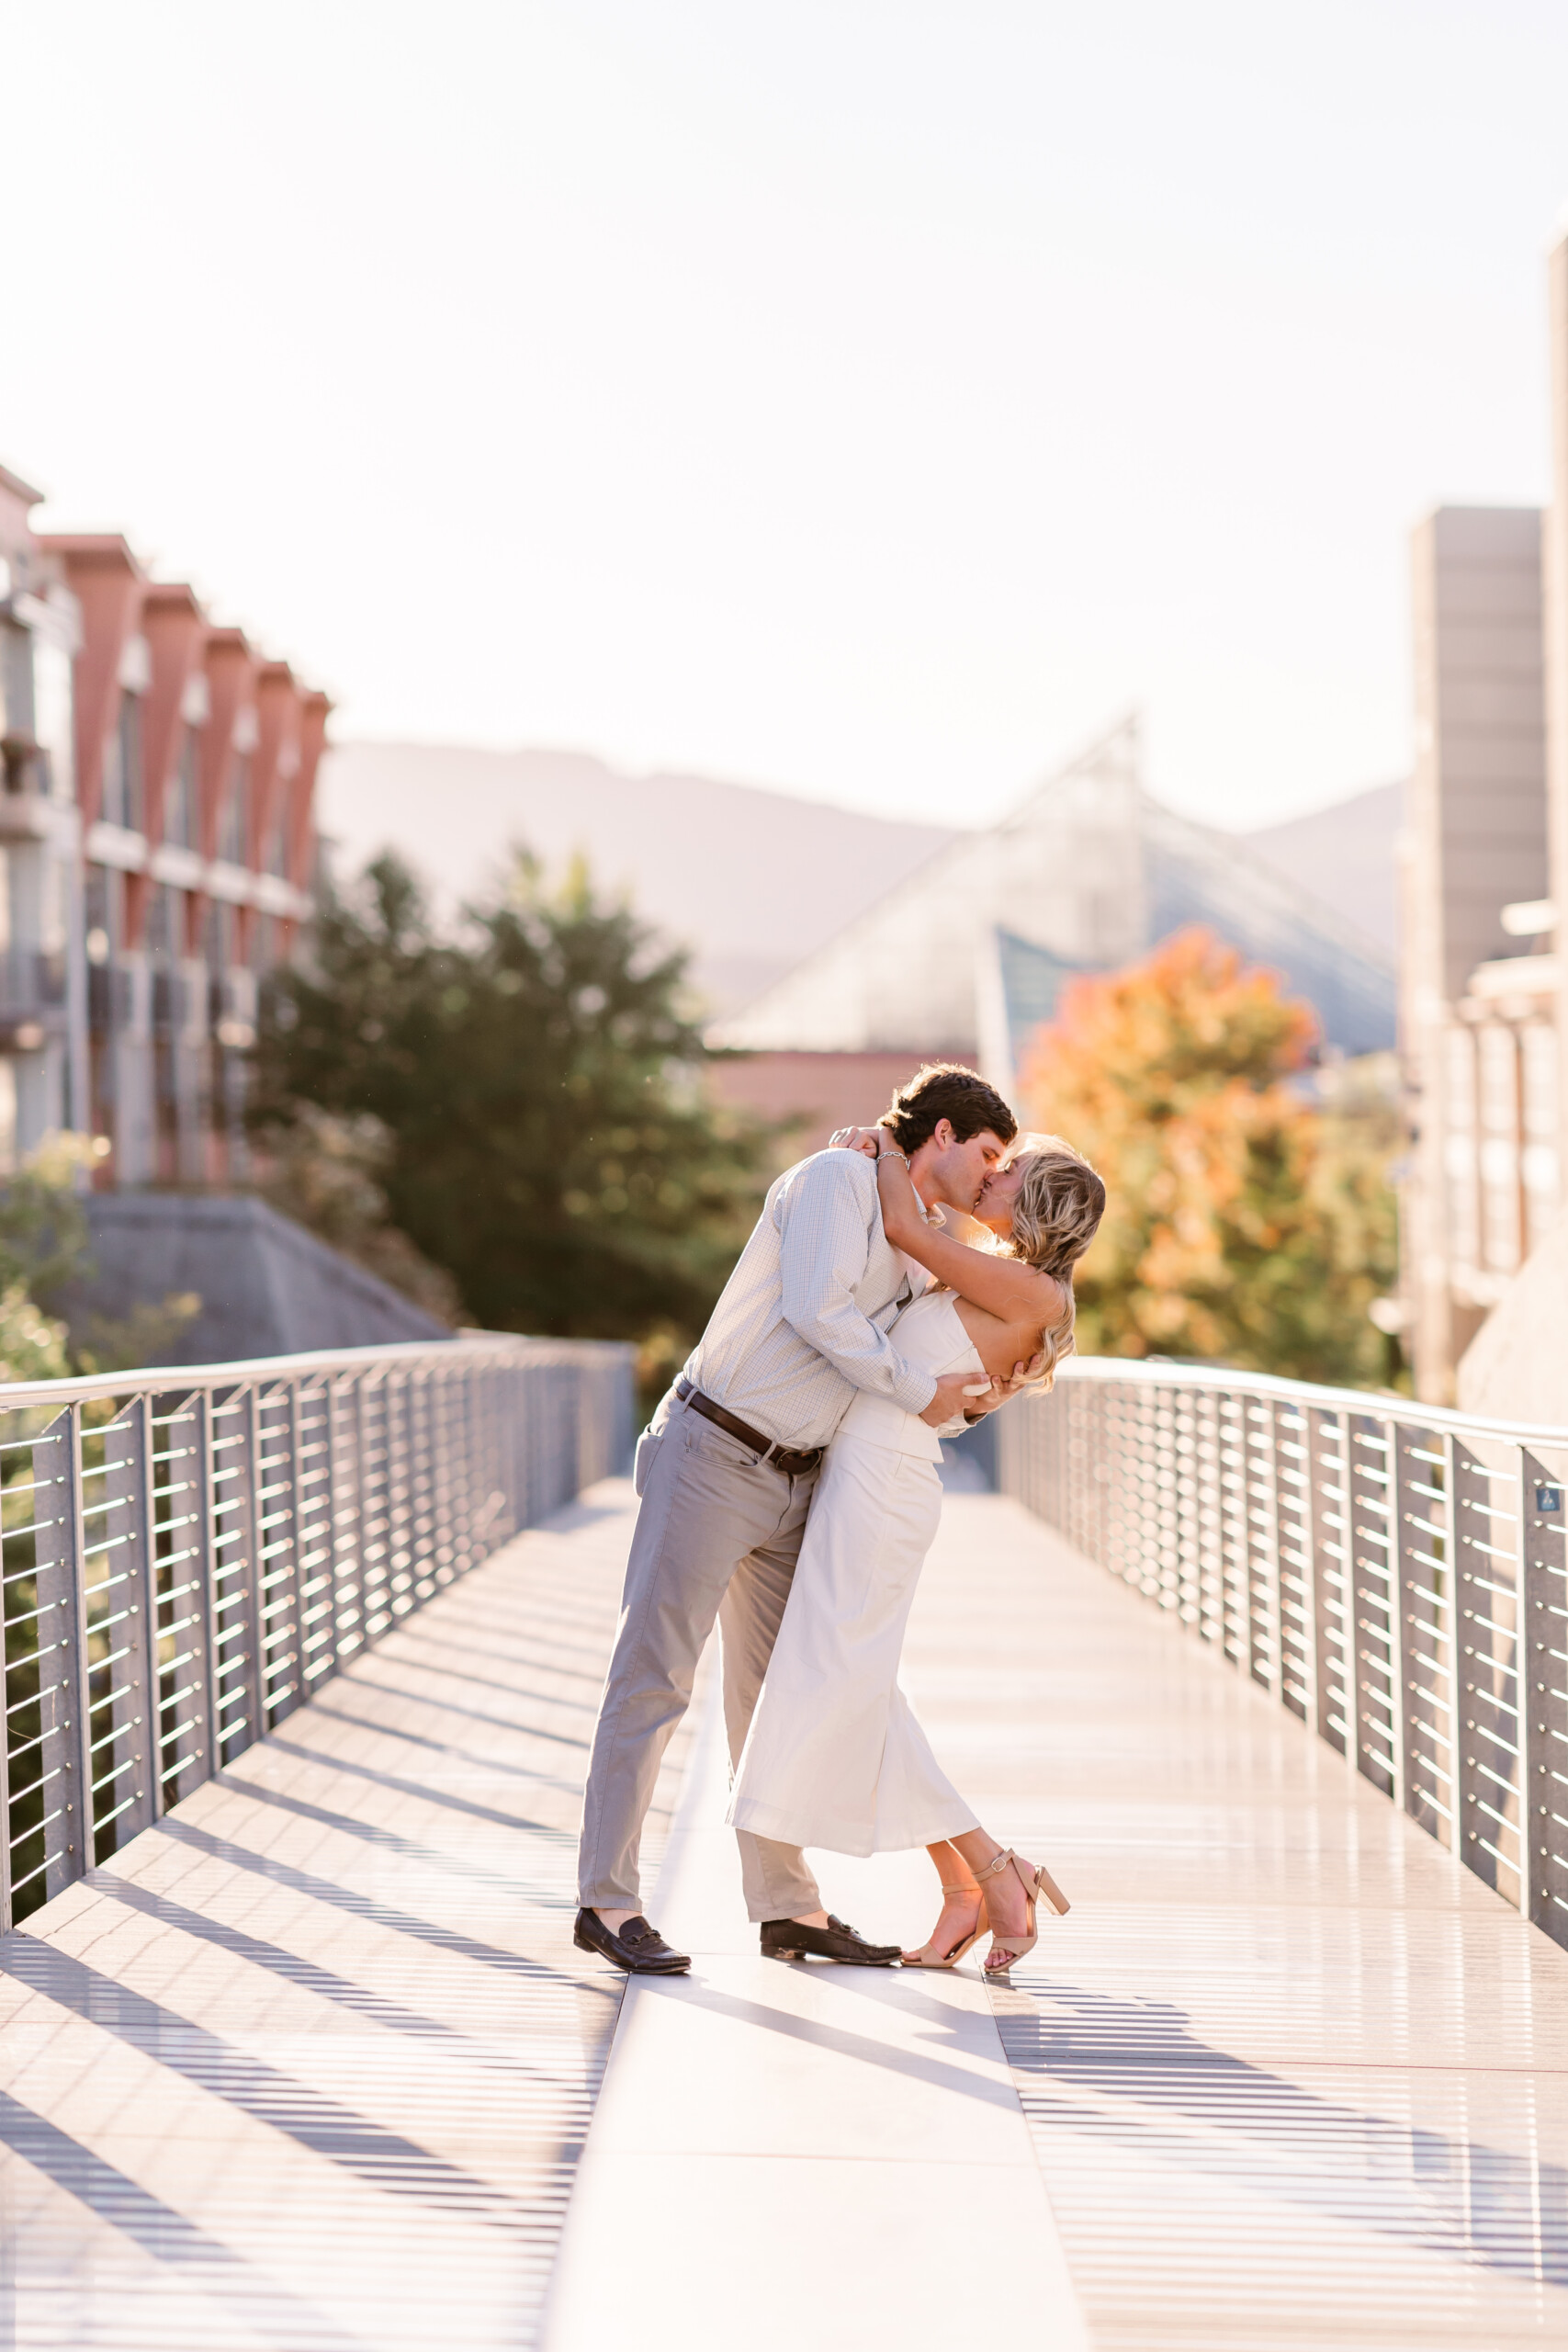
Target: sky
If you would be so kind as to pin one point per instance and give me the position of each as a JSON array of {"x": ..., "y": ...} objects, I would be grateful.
[{"x": 868, "y": 398}]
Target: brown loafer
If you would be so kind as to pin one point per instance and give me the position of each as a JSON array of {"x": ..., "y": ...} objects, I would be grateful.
[
  {"x": 787, "y": 1939},
  {"x": 640, "y": 1949}
]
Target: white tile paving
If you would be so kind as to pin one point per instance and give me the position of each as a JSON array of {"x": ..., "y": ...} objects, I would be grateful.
[
  {"x": 312, "y": 2064},
  {"x": 784, "y": 2152},
  {"x": 1295, "y": 2079}
]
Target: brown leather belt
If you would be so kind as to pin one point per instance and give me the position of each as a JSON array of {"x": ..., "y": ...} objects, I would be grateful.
[{"x": 795, "y": 1461}]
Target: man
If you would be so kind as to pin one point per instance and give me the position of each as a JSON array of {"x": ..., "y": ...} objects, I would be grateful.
[{"x": 726, "y": 1472}]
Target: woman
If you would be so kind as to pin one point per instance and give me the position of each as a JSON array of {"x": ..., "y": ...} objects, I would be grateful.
[{"x": 835, "y": 1757}]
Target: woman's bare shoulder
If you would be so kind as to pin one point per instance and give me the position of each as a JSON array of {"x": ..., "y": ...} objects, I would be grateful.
[
  {"x": 1027, "y": 1282},
  {"x": 1000, "y": 1339}
]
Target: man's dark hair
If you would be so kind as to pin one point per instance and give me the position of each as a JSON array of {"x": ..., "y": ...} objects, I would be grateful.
[{"x": 946, "y": 1090}]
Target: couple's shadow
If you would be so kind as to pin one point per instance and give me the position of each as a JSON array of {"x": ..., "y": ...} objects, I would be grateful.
[
  {"x": 890, "y": 1988},
  {"x": 1130, "y": 2072}
]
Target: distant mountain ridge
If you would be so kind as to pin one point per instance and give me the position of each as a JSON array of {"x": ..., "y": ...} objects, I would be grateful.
[
  {"x": 1348, "y": 856},
  {"x": 752, "y": 880}
]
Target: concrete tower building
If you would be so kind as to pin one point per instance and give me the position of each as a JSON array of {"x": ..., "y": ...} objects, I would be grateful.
[
  {"x": 1475, "y": 1013},
  {"x": 1519, "y": 1365},
  {"x": 1555, "y": 584}
]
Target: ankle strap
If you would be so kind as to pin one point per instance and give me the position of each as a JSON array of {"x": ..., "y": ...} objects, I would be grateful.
[{"x": 999, "y": 1861}]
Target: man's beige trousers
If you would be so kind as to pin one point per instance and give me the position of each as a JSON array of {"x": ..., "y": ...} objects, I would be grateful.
[{"x": 717, "y": 1537}]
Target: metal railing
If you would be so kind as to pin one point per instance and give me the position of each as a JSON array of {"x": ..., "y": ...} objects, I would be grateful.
[
  {"x": 1395, "y": 1575},
  {"x": 187, "y": 1554}
]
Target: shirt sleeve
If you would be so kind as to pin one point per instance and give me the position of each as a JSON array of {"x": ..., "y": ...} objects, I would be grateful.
[{"x": 823, "y": 1242}]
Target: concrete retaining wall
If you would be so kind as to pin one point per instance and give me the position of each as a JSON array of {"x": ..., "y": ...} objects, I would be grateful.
[{"x": 267, "y": 1287}]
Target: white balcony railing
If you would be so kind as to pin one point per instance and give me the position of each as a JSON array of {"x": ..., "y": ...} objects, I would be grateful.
[
  {"x": 1393, "y": 1574},
  {"x": 188, "y": 1552}
]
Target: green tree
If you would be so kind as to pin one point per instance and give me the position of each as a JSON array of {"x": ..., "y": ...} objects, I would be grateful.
[
  {"x": 43, "y": 1243},
  {"x": 1243, "y": 1223},
  {"x": 538, "y": 1082},
  {"x": 325, "y": 1171},
  {"x": 45, "y": 1250}
]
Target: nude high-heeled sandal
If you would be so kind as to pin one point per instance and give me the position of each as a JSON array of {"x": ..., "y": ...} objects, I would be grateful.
[
  {"x": 1038, "y": 1888},
  {"x": 930, "y": 1957}
]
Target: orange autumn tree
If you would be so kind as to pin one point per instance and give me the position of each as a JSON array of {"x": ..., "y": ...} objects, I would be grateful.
[{"x": 1243, "y": 1224}]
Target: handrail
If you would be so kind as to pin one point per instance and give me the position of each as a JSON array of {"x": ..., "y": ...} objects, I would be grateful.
[
  {"x": 85, "y": 1387},
  {"x": 188, "y": 1551},
  {"x": 1163, "y": 1371},
  {"x": 1393, "y": 1574}
]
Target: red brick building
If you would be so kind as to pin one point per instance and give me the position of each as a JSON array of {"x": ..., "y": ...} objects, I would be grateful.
[{"x": 158, "y": 848}]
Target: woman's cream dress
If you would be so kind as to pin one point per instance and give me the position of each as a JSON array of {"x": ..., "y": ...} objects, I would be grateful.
[{"x": 834, "y": 1755}]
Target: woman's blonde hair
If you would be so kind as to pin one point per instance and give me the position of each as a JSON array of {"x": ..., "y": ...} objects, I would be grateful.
[{"x": 1056, "y": 1214}]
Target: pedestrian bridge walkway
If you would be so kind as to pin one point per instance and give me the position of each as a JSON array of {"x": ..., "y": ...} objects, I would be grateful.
[{"x": 312, "y": 2063}]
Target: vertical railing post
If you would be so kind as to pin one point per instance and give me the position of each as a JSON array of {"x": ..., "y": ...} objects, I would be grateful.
[
  {"x": 1166, "y": 1566},
  {"x": 7, "y": 1832},
  {"x": 1264, "y": 1595},
  {"x": 424, "y": 1468},
  {"x": 340, "y": 1454},
  {"x": 131, "y": 1622},
  {"x": 1489, "y": 1592},
  {"x": 350, "y": 1537},
  {"x": 375, "y": 1506},
  {"x": 1234, "y": 1547},
  {"x": 1400, "y": 1713},
  {"x": 1423, "y": 1628},
  {"x": 1448, "y": 1621},
  {"x": 255, "y": 1657},
  {"x": 531, "y": 1443},
  {"x": 1189, "y": 1508},
  {"x": 80, "y": 1681},
  {"x": 231, "y": 1542},
  {"x": 1544, "y": 1695},
  {"x": 1368, "y": 1632},
  {"x": 63, "y": 1715},
  {"x": 496, "y": 1384},
  {"x": 146, "y": 1447},
  {"x": 1294, "y": 1556},
  {"x": 1335, "y": 1623},
  {"x": 285, "y": 1581},
  {"x": 448, "y": 1448},
  {"x": 204, "y": 1631},
  {"x": 395, "y": 1398}
]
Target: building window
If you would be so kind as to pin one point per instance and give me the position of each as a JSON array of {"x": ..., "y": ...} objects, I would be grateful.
[
  {"x": 51, "y": 719},
  {"x": 122, "y": 767},
  {"x": 219, "y": 944},
  {"x": 101, "y": 912},
  {"x": 235, "y": 842},
  {"x": 165, "y": 925},
  {"x": 179, "y": 808},
  {"x": 16, "y": 702}
]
